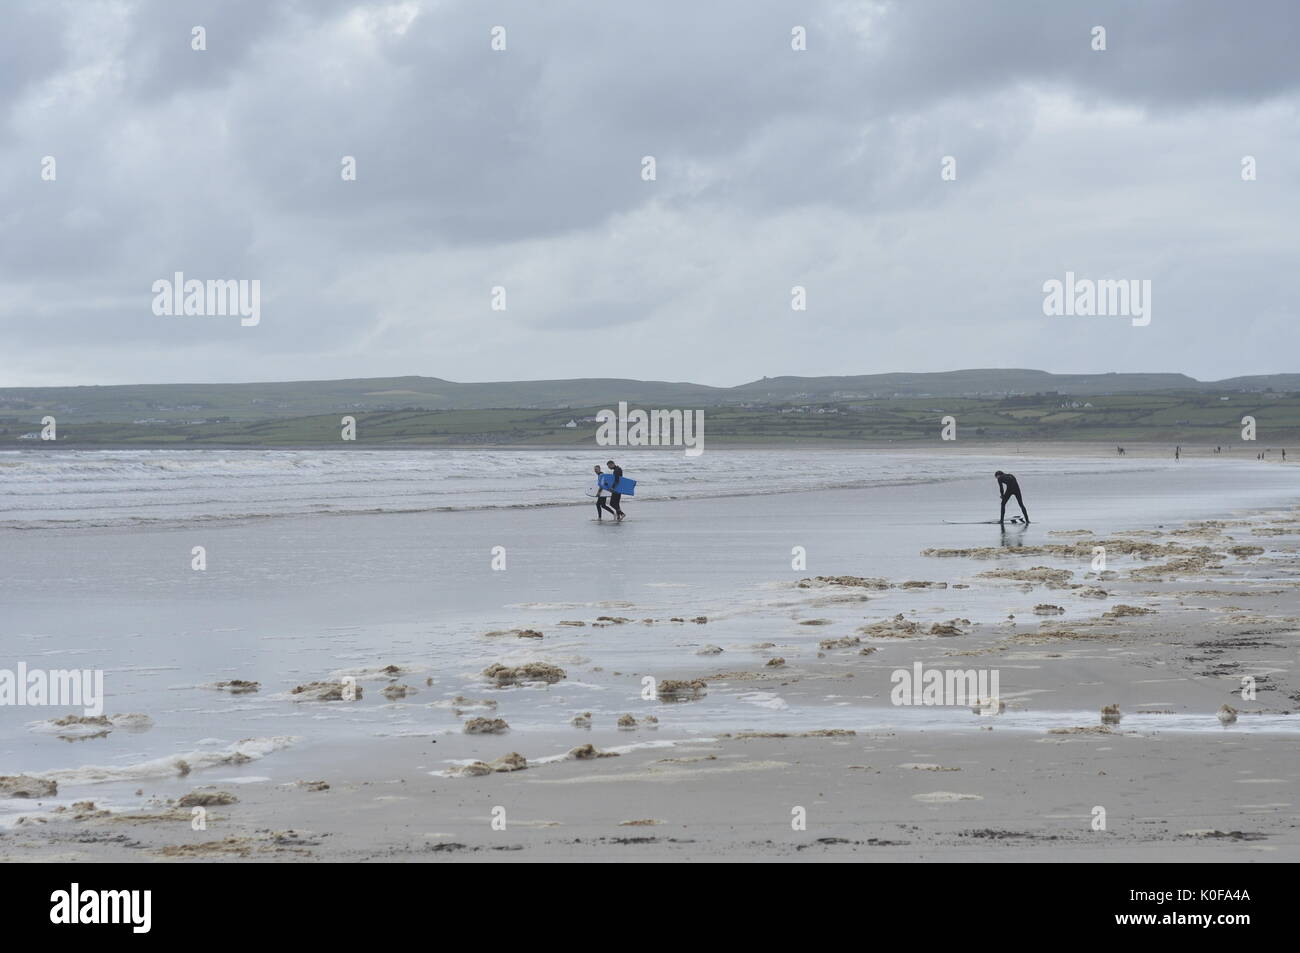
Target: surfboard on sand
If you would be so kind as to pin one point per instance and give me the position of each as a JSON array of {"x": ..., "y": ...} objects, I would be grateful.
[{"x": 1016, "y": 520}]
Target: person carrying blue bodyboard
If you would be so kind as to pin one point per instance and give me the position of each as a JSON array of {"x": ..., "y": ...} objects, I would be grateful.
[
  {"x": 601, "y": 505},
  {"x": 614, "y": 495}
]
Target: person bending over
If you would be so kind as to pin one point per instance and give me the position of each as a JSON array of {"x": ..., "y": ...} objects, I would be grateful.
[{"x": 1009, "y": 487}]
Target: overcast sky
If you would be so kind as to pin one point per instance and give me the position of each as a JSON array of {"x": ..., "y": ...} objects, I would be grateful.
[{"x": 522, "y": 168}]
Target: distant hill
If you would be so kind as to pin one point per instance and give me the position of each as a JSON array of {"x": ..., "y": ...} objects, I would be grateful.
[
  {"x": 1004, "y": 382},
  {"x": 260, "y": 401},
  {"x": 970, "y": 383},
  {"x": 257, "y": 401}
]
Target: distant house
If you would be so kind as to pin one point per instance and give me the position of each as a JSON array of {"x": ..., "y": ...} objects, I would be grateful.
[{"x": 572, "y": 425}]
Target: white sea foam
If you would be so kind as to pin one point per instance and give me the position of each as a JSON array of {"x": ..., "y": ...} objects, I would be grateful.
[
  {"x": 85, "y": 728},
  {"x": 72, "y": 488},
  {"x": 769, "y": 700},
  {"x": 175, "y": 765}
]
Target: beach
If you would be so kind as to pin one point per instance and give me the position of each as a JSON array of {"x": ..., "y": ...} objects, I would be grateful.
[{"x": 394, "y": 657}]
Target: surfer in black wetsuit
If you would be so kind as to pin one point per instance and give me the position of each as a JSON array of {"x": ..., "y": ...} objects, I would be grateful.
[
  {"x": 601, "y": 506},
  {"x": 1009, "y": 487},
  {"x": 615, "y": 496}
]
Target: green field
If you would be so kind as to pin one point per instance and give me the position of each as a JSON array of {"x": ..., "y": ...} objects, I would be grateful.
[{"x": 1189, "y": 418}]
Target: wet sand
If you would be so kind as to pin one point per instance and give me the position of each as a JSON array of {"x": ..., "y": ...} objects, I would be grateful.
[
  {"x": 867, "y": 797},
  {"x": 1165, "y": 635}
]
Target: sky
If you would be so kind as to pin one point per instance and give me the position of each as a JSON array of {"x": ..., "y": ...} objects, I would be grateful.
[{"x": 522, "y": 168}]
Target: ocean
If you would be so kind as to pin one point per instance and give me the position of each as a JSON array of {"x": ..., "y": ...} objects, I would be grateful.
[{"x": 72, "y": 488}]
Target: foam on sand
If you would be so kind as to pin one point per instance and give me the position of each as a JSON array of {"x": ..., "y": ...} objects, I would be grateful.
[
  {"x": 943, "y": 797},
  {"x": 89, "y": 726},
  {"x": 176, "y": 765}
]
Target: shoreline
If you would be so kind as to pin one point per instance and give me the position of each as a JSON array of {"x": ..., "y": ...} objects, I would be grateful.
[{"x": 423, "y": 484}]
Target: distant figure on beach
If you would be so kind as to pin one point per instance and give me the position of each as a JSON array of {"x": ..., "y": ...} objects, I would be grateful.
[
  {"x": 1177, "y": 451},
  {"x": 615, "y": 496},
  {"x": 601, "y": 506},
  {"x": 1120, "y": 451},
  {"x": 1008, "y": 487},
  {"x": 1284, "y": 454}
]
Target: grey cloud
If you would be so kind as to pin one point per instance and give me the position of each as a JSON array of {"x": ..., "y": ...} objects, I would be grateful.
[{"x": 775, "y": 168}]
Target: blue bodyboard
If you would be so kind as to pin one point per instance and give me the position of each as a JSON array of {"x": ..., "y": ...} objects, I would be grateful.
[{"x": 625, "y": 486}]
